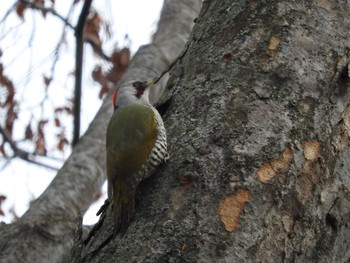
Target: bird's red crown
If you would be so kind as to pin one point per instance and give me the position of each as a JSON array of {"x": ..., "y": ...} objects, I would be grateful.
[{"x": 114, "y": 98}]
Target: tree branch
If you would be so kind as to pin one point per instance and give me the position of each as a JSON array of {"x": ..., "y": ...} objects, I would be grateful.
[
  {"x": 79, "y": 34},
  {"x": 24, "y": 155}
]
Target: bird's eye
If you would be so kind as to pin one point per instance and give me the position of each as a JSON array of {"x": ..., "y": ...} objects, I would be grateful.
[
  {"x": 140, "y": 88},
  {"x": 138, "y": 85}
]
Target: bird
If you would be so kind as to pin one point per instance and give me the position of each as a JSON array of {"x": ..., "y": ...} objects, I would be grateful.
[{"x": 136, "y": 143}]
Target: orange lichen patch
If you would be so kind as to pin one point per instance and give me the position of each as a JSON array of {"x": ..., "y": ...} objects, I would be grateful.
[
  {"x": 266, "y": 172},
  {"x": 310, "y": 176},
  {"x": 231, "y": 207},
  {"x": 273, "y": 45},
  {"x": 287, "y": 154},
  {"x": 280, "y": 166},
  {"x": 312, "y": 150}
]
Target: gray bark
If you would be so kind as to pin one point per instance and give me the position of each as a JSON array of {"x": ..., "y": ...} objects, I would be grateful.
[
  {"x": 45, "y": 232},
  {"x": 258, "y": 127}
]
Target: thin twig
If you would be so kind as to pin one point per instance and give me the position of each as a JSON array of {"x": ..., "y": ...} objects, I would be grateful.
[
  {"x": 98, "y": 49},
  {"x": 61, "y": 41},
  {"x": 47, "y": 9},
  {"x": 24, "y": 155},
  {"x": 79, "y": 35},
  {"x": 8, "y": 12}
]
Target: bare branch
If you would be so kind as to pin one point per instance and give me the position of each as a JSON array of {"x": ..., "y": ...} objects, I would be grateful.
[
  {"x": 79, "y": 34},
  {"x": 99, "y": 50},
  {"x": 24, "y": 155},
  {"x": 8, "y": 12},
  {"x": 47, "y": 9},
  {"x": 58, "y": 47}
]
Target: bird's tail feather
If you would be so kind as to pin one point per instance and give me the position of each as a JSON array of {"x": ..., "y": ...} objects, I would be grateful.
[{"x": 123, "y": 206}]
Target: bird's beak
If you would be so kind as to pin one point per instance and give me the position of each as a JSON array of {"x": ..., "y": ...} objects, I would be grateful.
[{"x": 150, "y": 82}]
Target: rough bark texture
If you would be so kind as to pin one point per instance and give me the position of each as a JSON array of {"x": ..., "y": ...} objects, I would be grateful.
[
  {"x": 258, "y": 127},
  {"x": 45, "y": 232}
]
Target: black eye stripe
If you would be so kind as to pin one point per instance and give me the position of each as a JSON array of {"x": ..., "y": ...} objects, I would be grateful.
[{"x": 138, "y": 85}]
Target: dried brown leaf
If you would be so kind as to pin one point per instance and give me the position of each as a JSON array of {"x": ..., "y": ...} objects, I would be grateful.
[
  {"x": 41, "y": 125},
  {"x": 40, "y": 146},
  {"x": 62, "y": 143},
  {"x": 57, "y": 122},
  {"x": 92, "y": 30},
  {"x": 69, "y": 110},
  {"x": 97, "y": 74},
  {"x": 7, "y": 83},
  {"x": 21, "y": 7},
  {"x": 29, "y": 132},
  {"x": 10, "y": 89},
  {"x": 2, "y": 151},
  {"x": 11, "y": 115},
  {"x": 47, "y": 81},
  {"x": 103, "y": 91},
  {"x": 58, "y": 110},
  {"x": 124, "y": 60},
  {"x": 100, "y": 78},
  {"x": 120, "y": 61},
  {"x": 2, "y": 198}
]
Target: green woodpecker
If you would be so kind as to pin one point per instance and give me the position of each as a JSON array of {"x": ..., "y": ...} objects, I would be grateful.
[{"x": 136, "y": 143}]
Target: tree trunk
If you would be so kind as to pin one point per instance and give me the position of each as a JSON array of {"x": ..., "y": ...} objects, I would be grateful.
[
  {"x": 258, "y": 126},
  {"x": 45, "y": 232}
]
